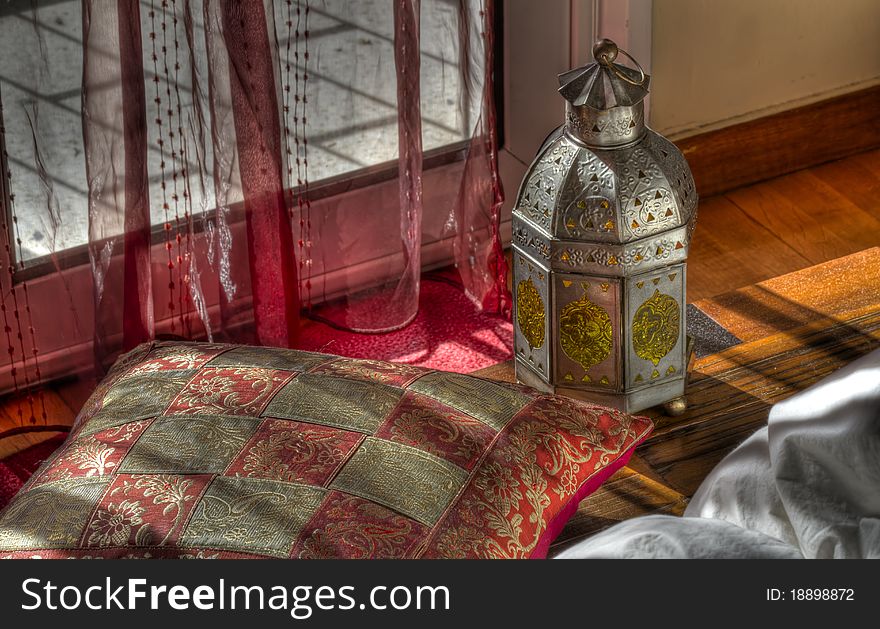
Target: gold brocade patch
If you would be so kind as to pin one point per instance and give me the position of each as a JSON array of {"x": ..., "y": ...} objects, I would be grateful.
[
  {"x": 97, "y": 454},
  {"x": 351, "y": 527},
  {"x": 427, "y": 424},
  {"x": 346, "y": 404},
  {"x": 251, "y": 515},
  {"x": 144, "y": 510},
  {"x": 410, "y": 481},
  {"x": 530, "y": 314},
  {"x": 540, "y": 464},
  {"x": 138, "y": 397},
  {"x": 52, "y": 515},
  {"x": 203, "y": 444},
  {"x": 229, "y": 391},
  {"x": 269, "y": 357},
  {"x": 130, "y": 358},
  {"x": 655, "y": 327},
  {"x": 371, "y": 371},
  {"x": 493, "y": 404},
  {"x": 296, "y": 452},
  {"x": 164, "y": 358}
]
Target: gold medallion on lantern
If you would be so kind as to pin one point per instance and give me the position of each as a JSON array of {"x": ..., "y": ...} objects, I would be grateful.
[
  {"x": 655, "y": 327},
  {"x": 585, "y": 332},
  {"x": 530, "y": 313}
]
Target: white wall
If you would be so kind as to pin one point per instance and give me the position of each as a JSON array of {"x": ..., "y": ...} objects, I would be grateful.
[{"x": 720, "y": 62}]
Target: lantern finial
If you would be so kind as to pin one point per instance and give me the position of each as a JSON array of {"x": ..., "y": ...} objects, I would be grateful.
[{"x": 605, "y": 51}]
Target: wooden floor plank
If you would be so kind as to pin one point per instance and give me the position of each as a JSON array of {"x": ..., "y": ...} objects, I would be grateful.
[
  {"x": 728, "y": 250},
  {"x": 869, "y": 160},
  {"x": 854, "y": 180},
  {"x": 769, "y": 146},
  {"x": 830, "y": 290},
  {"x": 75, "y": 392},
  {"x": 815, "y": 220}
]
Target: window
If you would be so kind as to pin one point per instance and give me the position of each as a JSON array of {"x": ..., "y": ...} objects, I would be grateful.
[{"x": 351, "y": 108}]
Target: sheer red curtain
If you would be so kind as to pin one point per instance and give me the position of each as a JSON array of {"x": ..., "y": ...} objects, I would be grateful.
[
  {"x": 188, "y": 161},
  {"x": 476, "y": 216},
  {"x": 246, "y": 147}
]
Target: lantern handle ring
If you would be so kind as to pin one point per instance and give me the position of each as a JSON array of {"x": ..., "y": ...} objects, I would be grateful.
[{"x": 622, "y": 76}]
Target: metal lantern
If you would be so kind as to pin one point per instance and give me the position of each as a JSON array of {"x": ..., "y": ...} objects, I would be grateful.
[{"x": 601, "y": 229}]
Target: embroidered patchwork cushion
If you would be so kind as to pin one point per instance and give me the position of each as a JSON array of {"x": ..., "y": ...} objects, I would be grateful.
[{"x": 205, "y": 450}]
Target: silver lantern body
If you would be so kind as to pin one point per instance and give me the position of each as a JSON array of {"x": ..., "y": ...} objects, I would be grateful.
[{"x": 601, "y": 229}]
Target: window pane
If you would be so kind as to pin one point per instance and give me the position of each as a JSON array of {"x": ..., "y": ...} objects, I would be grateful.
[
  {"x": 40, "y": 85},
  {"x": 351, "y": 112}
]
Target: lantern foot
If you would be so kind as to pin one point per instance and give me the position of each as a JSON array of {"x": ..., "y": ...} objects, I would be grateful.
[{"x": 676, "y": 407}]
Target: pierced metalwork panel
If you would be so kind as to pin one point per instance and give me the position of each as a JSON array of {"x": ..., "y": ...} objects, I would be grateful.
[
  {"x": 609, "y": 196},
  {"x": 531, "y": 317},
  {"x": 587, "y": 343},
  {"x": 647, "y": 204},
  {"x": 527, "y": 237},
  {"x": 587, "y": 208},
  {"x": 656, "y": 318},
  {"x": 538, "y": 195},
  {"x": 677, "y": 173}
]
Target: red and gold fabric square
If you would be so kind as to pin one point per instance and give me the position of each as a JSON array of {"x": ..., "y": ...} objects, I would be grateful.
[
  {"x": 295, "y": 452},
  {"x": 217, "y": 451}
]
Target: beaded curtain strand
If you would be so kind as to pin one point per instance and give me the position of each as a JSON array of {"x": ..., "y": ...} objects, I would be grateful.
[
  {"x": 189, "y": 217},
  {"x": 304, "y": 198},
  {"x": 183, "y": 230},
  {"x": 13, "y": 328},
  {"x": 163, "y": 184},
  {"x": 285, "y": 110},
  {"x": 300, "y": 36}
]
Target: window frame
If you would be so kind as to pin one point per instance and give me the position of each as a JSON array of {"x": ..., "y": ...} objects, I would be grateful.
[{"x": 324, "y": 189}]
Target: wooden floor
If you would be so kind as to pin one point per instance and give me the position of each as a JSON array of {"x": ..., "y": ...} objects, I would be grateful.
[
  {"x": 785, "y": 224},
  {"x": 743, "y": 237}
]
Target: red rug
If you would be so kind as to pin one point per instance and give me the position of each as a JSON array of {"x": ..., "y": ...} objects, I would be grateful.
[
  {"x": 448, "y": 333},
  {"x": 16, "y": 469}
]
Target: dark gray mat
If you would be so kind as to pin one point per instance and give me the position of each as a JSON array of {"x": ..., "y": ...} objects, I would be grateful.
[{"x": 709, "y": 337}]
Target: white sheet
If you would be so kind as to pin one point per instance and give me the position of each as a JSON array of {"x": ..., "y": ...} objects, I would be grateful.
[{"x": 807, "y": 485}]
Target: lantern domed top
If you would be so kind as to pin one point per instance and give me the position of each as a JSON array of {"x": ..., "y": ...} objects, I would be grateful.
[
  {"x": 605, "y": 100},
  {"x": 604, "y": 84}
]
